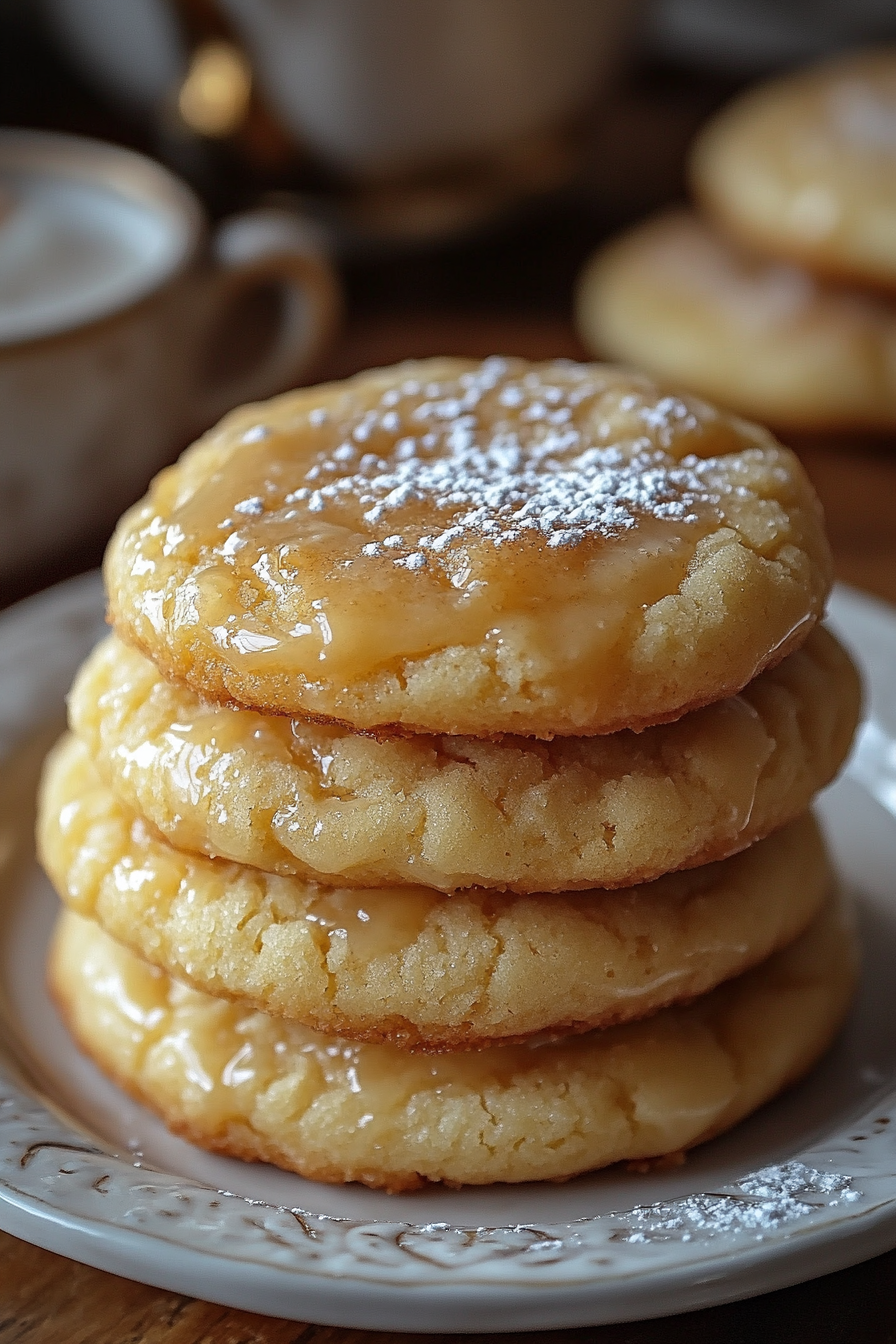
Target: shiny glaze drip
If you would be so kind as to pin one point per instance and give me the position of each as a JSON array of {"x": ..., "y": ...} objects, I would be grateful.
[{"x": 486, "y": 508}]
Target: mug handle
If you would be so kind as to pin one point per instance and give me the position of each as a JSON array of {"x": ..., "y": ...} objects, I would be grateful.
[{"x": 252, "y": 252}]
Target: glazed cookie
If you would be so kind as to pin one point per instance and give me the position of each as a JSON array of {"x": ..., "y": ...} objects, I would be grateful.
[
  {"x": 455, "y": 547},
  {"x": 318, "y": 801},
  {"x": 803, "y": 167},
  {"x": 760, "y": 337},
  {"x": 409, "y": 964},
  {"x": 245, "y": 1084}
]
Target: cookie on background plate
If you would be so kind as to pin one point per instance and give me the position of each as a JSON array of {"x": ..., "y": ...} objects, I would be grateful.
[
  {"x": 804, "y": 168},
  {"x": 761, "y": 337},
  {"x": 259, "y": 1088},
  {"x": 295, "y": 797},
  {"x": 411, "y": 965},
  {"x": 480, "y": 548}
]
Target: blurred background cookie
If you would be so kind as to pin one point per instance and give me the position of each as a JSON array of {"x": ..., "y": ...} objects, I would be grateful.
[
  {"x": 765, "y": 338},
  {"x": 803, "y": 168}
]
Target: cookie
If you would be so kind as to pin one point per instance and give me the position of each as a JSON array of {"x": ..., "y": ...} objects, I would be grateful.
[
  {"x": 298, "y": 798},
  {"x": 453, "y": 547},
  {"x": 763, "y": 338},
  {"x": 803, "y": 168},
  {"x": 245, "y": 1084},
  {"x": 409, "y": 964}
]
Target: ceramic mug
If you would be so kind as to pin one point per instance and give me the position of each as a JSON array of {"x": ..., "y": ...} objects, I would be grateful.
[
  {"x": 390, "y": 87},
  {"x": 375, "y": 88},
  {"x": 117, "y": 312}
]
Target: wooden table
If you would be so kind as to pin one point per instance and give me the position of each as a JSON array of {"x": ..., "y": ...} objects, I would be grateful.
[{"x": 45, "y": 1299}]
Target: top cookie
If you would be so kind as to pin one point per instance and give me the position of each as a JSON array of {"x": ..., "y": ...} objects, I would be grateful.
[
  {"x": 805, "y": 167},
  {"x": 457, "y": 547}
]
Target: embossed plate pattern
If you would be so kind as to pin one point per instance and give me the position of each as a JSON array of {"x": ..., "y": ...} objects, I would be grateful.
[{"x": 806, "y": 1186}]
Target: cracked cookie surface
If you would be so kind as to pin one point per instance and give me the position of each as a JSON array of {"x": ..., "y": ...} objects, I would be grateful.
[
  {"x": 245, "y": 1084},
  {"x": 456, "y": 547},
  {"x": 318, "y": 801},
  {"x": 411, "y": 965}
]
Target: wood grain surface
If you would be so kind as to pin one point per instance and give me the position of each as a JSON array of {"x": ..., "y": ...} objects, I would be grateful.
[{"x": 45, "y": 1299}]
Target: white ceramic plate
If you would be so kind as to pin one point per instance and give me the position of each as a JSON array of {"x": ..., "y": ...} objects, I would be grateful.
[{"x": 806, "y": 1186}]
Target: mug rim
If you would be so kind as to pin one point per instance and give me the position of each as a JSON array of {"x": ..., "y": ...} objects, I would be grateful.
[{"x": 128, "y": 174}]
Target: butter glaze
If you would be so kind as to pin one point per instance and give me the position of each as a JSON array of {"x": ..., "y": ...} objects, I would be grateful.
[
  {"x": 241, "y": 1082},
  {"x": 452, "y": 541},
  {"x": 294, "y": 797},
  {"x": 426, "y": 970}
]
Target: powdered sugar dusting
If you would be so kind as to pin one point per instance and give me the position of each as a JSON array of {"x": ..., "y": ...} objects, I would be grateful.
[{"x": 499, "y": 454}]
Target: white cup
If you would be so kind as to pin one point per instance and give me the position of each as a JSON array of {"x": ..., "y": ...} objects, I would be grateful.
[
  {"x": 376, "y": 88},
  {"x": 389, "y": 87},
  {"x": 113, "y": 303}
]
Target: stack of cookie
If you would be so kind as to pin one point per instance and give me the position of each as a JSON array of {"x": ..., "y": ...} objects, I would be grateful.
[
  {"x": 777, "y": 301},
  {"x": 437, "y": 810}
]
